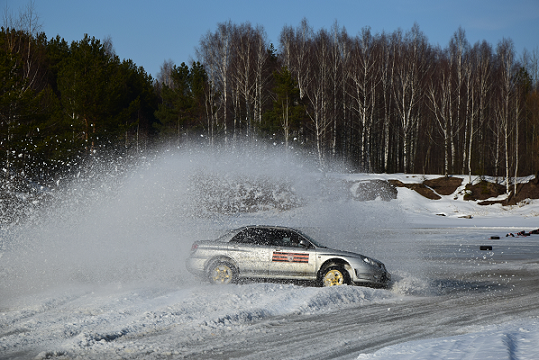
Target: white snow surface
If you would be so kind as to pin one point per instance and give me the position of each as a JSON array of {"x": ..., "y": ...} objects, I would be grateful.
[
  {"x": 127, "y": 297},
  {"x": 516, "y": 340}
]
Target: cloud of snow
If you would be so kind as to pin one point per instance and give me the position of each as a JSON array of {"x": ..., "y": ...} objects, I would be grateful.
[{"x": 120, "y": 227}]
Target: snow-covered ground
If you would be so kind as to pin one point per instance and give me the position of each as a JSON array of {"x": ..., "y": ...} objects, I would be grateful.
[
  {"x": 103, "y": 277},
  {"x": 517, "y": 340}
]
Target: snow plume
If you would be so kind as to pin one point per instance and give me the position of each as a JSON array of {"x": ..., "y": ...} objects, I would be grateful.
[
  {"x": 232, "y": 194},
  {"x": 131, "y": 223}
]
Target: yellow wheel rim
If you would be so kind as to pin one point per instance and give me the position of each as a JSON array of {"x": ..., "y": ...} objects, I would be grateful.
[
  {"x": 222, "y": 274},
  {"x": 333, "y": 278}
]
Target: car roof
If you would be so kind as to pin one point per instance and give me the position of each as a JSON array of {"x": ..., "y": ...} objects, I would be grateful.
[
  {"x": 268, "y": 227},
  {"x": 277, "y": 227}
]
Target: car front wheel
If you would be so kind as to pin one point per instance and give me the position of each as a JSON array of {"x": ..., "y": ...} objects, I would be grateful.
[
  {"x": 222, "y": 273},
  {"x": 333, "y": 276}
]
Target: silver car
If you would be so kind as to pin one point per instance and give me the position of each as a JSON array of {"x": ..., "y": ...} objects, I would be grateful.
[{"x": 271, "y": 252}]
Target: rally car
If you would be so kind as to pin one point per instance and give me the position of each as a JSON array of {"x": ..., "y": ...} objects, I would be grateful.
[{"x": 281, "y": 253}]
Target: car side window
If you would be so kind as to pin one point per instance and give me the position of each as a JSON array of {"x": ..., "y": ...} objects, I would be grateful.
[
  {"x": 242, "y": 237},
  {"x": 252, "y": 236},
  {"x": 268, "y": 237},
  {"x": 286, "y": 238},
  {"x": 260, "y": 236}
]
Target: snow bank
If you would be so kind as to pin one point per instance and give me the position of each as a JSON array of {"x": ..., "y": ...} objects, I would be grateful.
[
  {"x": 509, "y": 341},
  {"x": 90, "y": 321}
]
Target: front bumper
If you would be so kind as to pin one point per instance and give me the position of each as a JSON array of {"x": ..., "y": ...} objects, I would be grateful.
[{"x": 373, "y": 276}]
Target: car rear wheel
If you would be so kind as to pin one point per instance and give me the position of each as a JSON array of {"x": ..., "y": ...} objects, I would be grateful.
[
  {"x": 334, "y": 276},
  {"x": 221, "y": 272}
]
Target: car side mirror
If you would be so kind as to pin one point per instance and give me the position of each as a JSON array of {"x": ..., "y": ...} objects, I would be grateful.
[{"x": 304, "y": 243}]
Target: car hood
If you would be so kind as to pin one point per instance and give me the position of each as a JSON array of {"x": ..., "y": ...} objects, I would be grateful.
[{"x": 336, "y": 252}]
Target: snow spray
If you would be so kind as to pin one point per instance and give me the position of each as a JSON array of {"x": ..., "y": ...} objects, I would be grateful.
[{"x": 136, "y": 226}]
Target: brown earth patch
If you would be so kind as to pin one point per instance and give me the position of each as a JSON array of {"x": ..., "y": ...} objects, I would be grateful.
[
  {"x": 421, "y": 189},
  {"x": 529, "y": 190},
  {"x": 444, "y": 185},
  {"x": 484, "y": 190},
  {"x": 432, "y": 189}
]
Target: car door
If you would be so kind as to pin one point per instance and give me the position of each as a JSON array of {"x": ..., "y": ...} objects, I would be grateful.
[
  {"x": 251, "y": 252},
  {"x": 290, "y": 258}
]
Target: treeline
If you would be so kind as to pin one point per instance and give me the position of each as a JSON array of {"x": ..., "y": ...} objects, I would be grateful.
[{"x": 387, "y": 102}]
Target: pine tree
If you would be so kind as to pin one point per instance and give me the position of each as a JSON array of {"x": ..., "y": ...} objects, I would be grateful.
[
  {"x": 287, "y": 112},
  {"x": 182, "y": 106}
]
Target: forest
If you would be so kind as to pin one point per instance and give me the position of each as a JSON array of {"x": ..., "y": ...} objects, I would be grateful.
[{"x": 385, "y": 102}]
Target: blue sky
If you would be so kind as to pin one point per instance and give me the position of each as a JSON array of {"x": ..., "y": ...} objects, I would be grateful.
[{"x": 150, "y": 32}]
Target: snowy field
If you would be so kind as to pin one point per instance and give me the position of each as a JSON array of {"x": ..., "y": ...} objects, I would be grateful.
[{"x": 101, "y": 274}]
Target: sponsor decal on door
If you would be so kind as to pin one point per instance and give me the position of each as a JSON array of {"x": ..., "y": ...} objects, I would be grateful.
[{"x": 290, "y": 257}]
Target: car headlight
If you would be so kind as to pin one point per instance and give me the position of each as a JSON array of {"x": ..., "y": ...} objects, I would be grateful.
[{"x": 370, "y": 261}]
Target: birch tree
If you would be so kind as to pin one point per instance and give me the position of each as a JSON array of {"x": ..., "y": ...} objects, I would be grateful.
[
  {"x": 457, "y": 49},
  {"x": 439, "y": 94},
  {"x": 364, "y": 77},
  {"x": 317, "y": 91},
  {"x": 249, "y": 76},
  {"x": 336, "y": 79},
  {"x": 386, "y": 75},
  {"x": 483, "y": 84},
  {"x": 505, "y": 55},
  {"x": 263, "y": 72},
  {"x": 214, "y": 54},
  {"x": 296, "y": 45},
  {"x": 411, "y": 59}
]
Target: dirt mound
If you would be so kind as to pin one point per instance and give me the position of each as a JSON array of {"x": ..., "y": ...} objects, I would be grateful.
[
  {"x": 483, "y": 190},
  {"x": 444, "y": 185},
  {"x": 421, "y": 189},
  {"x": 480, "y": 192},
  {"x": 433, "y": 188},
  {"x": 529, "y": 190}
]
